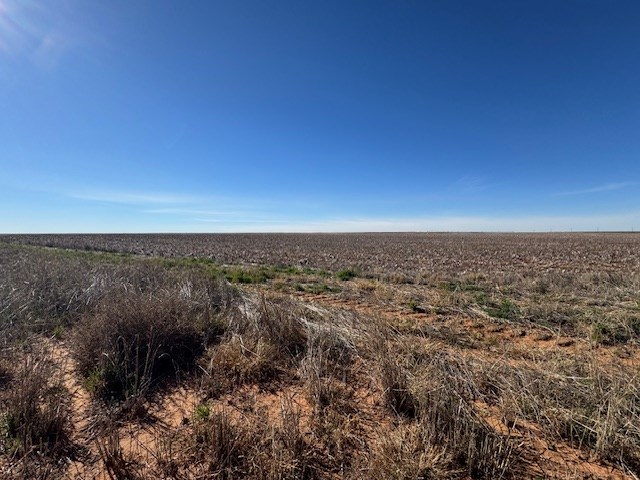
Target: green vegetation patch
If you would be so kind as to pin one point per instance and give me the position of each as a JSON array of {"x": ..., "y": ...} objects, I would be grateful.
[
  {"x": 506, "y": 310},
  {"x": 347, "y": 274}
]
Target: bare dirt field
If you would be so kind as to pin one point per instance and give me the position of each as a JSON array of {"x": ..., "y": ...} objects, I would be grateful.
[
  {"x": 380, "y": 253},
  {"x": 402, "y": 356}
]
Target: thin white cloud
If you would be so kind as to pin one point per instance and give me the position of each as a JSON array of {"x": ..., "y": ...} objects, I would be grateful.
[
  {"x": 601, "y": 188},
  {"x": 194, "y": 211},
  {"x": 135, "y": 198},
  {"x": 39, "y": 32},
  {"x": 204, "y": 209},
  {"x": 209, "y": 220},
  {"x": 197, "y": 212},
  {"x": 245, "y": 221},
  {"x": 614, "y": 222}
]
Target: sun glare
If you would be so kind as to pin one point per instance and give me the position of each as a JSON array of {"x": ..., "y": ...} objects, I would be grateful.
[
  {"x": 13, "y": 33},
  {"x": 4, "y": 25},
  {"x": 23, "y": 25}
]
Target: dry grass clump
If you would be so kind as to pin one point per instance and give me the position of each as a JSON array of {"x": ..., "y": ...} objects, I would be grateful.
[
  {"x": 116, "y": 463},
  {"x": 34, "y": 424},
  {"x": 224, "y": 445},
  {"x": 263, "y": 340},
  {"x": 134, "y": 339},
  {"x": 240, "y": 360},
  {"x": 325, "y": 367},
  {"x": 404, "y": 453},
  {"x": 437, "y": 391},
  {"x": 48, "y": 291},
  {"x": 395, "y": 383},
  {"x": 594, "y": 408},
  {"x": 38, "y": 294},
  {"x": 332, "y": 347},
  {"x": 277, "y": 320},
  {"x": 450, "y": 421}
]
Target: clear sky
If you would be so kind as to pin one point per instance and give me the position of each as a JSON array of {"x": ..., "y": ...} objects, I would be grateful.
[{"x": 293, "y": 115}]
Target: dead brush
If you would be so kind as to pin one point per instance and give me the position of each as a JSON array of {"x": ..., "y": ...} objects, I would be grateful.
[
  {"x": 114, "y": 460},
  {"x": 445, "y": 391},
  {"x": 39, "y": 293},
  {"x": 396, "y": 388},
  {"x": 297, "y": 458},
  {"x": 133, "y": 340},
  {"x": 223, "y": 446},
  {"x": 325, "y": 367},
  {"x": 277, "y": 320},
  {"x": 594, "y": 408},
  {"x": 34, "y": 406},
  {"x": 43, "y": 290},
  {"x": 239, "y": 360},
  {"x": 404, "y": 453}
]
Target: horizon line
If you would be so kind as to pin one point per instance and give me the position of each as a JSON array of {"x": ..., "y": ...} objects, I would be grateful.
[{"x": 299, "y": 232}]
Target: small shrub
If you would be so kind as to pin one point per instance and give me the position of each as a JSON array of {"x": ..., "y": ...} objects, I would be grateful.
[
  {"x": 346, "y": 274},
  {"x": 203, "y": 412},
  {"x": 615, "y": 331},
  {"x": 506, "y": 310},
  {"x": 243, "y": 276},
  {"x": 134, "y": 340}
]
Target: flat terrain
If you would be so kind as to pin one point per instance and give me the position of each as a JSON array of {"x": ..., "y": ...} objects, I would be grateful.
[
  {"x": 380, "y": 253},
  {"x": 403, "y": 356}
]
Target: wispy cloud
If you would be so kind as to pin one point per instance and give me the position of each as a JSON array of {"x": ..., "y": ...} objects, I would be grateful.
[
  {"x": 471, "y": 184},
  {"x": 608, "y": 187},
  {"x": 194, "y": 211},
  {"x": 282, "y": 223},
  {"x": 38, "y": 32},
  {"x": 187, "y": 208},
  {"x": 135, "y": 198},
  {"x": 245, "y": 215}
]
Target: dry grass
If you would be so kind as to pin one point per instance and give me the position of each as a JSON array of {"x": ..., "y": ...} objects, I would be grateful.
[
  {"x": 593, "y": 407},
  {"x": 441, "y": 375},
  {"x": 131, "y": 342},
  {"x": 34, "y": 421},
  {"x": 240, "y": 360}
]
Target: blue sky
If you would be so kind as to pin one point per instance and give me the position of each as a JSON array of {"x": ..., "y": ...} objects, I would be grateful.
[{"x": 224, "y": 116}]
